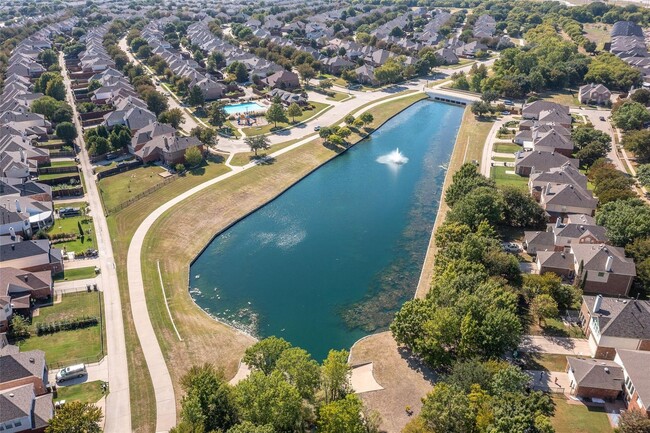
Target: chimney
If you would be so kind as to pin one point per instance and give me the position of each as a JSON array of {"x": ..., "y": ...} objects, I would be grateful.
[
  {"x": 558, "y": 222},
  {"x": 597, "y": 303},
  {"x": 608, "y": 263},
  {"x": 22, "y": 155},
  {"x": 18, "y": 209},
  {"x": 548, "y": 188}
]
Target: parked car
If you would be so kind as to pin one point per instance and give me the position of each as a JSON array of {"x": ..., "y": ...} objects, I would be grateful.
[
  {"x": 508, "y": 102},
  {"x": 511, "y": 247},
  {"x": 71, "y": 372},
  {"x": 316, "y": 128},
  {"x": 602, "y": 118},
  {"x": 505, "y": 113}
]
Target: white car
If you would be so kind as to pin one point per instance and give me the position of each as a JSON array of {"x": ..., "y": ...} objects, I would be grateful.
[{"x": 511, "y": 247}]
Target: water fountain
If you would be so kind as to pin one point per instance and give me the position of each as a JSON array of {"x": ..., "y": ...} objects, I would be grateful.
[{"x": 394, "y": 158}]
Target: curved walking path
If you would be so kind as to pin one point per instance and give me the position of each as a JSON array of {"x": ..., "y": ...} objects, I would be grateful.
[{"x": 158, "y": 371}]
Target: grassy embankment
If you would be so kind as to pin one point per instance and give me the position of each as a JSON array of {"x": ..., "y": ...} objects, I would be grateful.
[{"x": 204, "y": 339}]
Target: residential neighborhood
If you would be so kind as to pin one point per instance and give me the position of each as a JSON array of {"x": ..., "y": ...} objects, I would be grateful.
[{"x": 329, "y": 216}]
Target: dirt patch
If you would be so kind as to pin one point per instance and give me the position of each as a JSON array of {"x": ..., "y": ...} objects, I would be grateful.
[{"x": 405, "y": 379}]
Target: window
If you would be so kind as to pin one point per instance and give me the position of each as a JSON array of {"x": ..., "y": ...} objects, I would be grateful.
[
  {"x": 18, "y": 423},
  {"x": 601, "y": 274}
]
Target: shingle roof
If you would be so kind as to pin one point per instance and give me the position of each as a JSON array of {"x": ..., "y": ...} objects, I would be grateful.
[
  {"x": 23, "y": 364},
  {"x": 597, "y": 373},
  {"x": 16, "y": 402},
  {"x": 636, "y": 364},
  {"x": 621, "y": 317}
]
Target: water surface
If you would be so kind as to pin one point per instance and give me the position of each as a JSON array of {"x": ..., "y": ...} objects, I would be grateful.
[{"x": 334, "y": 257}]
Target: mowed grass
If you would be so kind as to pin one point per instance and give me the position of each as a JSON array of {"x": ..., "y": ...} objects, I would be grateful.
[
  {"x": 502, "y": 178},
  {"x": 68, "y": 347},
  {"x": 124, "y": 186},
  {"x": 577, "y": 418},
  {"x": 319, "y": 108},
  {"x": 565, "y": 97},
  {"x": 204, "y": 339},
  {"x": 244, "y": 158},
  {"x": 71, "y": 225},
  {"x": 506, "y": 148},
  {"x": 544, "y": 361},
  {"x": 76, "y": 274},
  {"x": 338, "y": 96},
  {"x": 88, "y": 392}
]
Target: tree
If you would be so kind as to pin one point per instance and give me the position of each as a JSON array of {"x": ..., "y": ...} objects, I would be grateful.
[
  {"x": 349, "y": 119},
  {"x": 258, "y": 142},
  {"x": 137, "y": 43},
  {"x": 521, "y": 209},
  {"x": 390, "y": 72},
  {"x": 325, "y": 84},
  {"x": 119, "y": 139},
  {"x": 56, "y": 89},
  {"x": 634, "y": 421},
  {"x": 625, "y": 220},
  {"x": 193, "y": 157},
  {"x": 300, "y": 370},
  {"x": 489, "y": 96},
  {"x": 196, "y": 98},
  {"x": 76, "y": 417},
  {"x": 94, "y": 85},
  {"x": 639, "y": 143},
  {"x": 367, "y": 118},
  {"x": 336, "y": 140},
  {"x": 335, "y": 375},
  {"x": 99, "y": 146},
  {"x": 269, "y": 399},
  {"x": 173, "y": 116},
  {"x": 207, "y": 135},
  {"x": 40, "y": 85},
  {"x": 19, "y": 329},
  {"x": 642, "y": 96},
  {"x": 294, "y": 111},
  {"x": 156, "y": 102},
  {"x": 446, "y": 409},
  {"x": 240, "y": 71},
  {"x": 217, "y": 114},
  {"x": 480, "y": 204},
  {"x": 249, "y": 427},
  {"x": 209, "y": 401},
  {"x": 613, "y": 72},
  {"x": 480, "y": 108},
  {"x": 306, "y": 72},
  {"x": 344, "y": 132},
  {"x": 45, "y": 105},
  {"x": 48, "y": 58},
  {"x": 66, "y": 132},
  {"x": 643, "y": 174},
  {"x": 630, "y": 115},
  {"x": 342, "y": 416},
  {"x": 543, "y": 307},
  {"x": 264, "y": 354},
  {"x": 584, "y": 135},
  {"x": 466, "y": 179},
  {"x": 276, "y": 114}
]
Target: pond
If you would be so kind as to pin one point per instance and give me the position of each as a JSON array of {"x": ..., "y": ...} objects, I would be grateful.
[{"x": 335, "y": 256}]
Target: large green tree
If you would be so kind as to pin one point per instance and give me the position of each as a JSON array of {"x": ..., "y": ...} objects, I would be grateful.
[
  {"x": 76, "y": 417},
  {"x": 264, "y": 354},
  {"x": 335, "y": 375},
  {"x": 300, "y": 370},
  {"x": 639, "y": 143},
  {"x": 466, "y": 179},
  {"x": 625, "y": 220},
  {"x": 270, "y": 399},
  {"x": 446, "y": 409},
  {"x": 630, "y": 115},
  {"x": 276, "y": 113},
  {"x": 66, "y": 131},
  {"x": 56, "y": 89},
  {"x": 480, "y": 204},
  {"x": 342, "y": 416}
]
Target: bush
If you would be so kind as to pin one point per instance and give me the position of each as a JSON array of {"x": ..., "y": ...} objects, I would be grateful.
[{"x": 65, "y": 325}]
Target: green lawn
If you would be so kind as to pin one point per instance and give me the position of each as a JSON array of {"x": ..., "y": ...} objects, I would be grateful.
[
  {"x": 506, "y": 148},
  {"x": 79, "y": 204},
  {"x": 503, "y": 159},
  {"x": 121, "y": 187},
  {"x": 244, "y": 158},
  {"x": 88, "y": 392},
  {"x": 544, "y": 361},
  {"x": 68, "y": 347},
  {"x": 76, "y": 274},
  {"x": 70, "y": 163},
  {"x": 319, "y": 108},
  {"x": 565, "y": 97},
  {"x": 71, "y": 225},
  {"x": 556, "y": 328},
  {"x": 577, "y": 418},
  {"x": 502, "y": 178},
  {"x": 50, "y": 176},
  {"x": 338, "y": 96}
]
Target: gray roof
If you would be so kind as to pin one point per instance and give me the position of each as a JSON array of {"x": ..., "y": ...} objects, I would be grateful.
[
  {"x": 540, "y": 240},
  {"x": 16, "y": 402},
  {"x": 23, "y": 364},
  {"x": 543, "y": 161},
  {"x": 597, "y": 373},
  {"x": 626, "y": 28},
  {"x": 636, "y": 364},
  {"x": 568, "y": 195},
  {"x": 555, "y": 259},
  {"x": 594, "y": 258},
  {"x": 621, "y": 318}
]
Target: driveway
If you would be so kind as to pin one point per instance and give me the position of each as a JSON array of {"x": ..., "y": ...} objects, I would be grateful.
[
  {"x": 555, "y": 345},
  {"x": 96, "y": 371}
]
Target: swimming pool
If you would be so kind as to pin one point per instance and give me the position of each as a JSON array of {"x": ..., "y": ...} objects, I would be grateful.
[{"x": 245, "y": 107}]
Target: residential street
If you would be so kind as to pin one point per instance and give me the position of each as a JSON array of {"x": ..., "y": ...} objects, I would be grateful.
[{"x": 118, "y": 402}]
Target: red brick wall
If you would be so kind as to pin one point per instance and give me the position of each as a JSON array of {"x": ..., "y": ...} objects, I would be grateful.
[
  {"x": 39, "y": 386},
  {"x": 606, "y": 394},
  {"x": 615, "y": 285}
]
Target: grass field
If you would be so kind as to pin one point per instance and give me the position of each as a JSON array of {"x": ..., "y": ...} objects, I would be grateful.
[
  {"x": 338, "y": 96},
  {"x": 76, "y": 274},
  {"x": 564, "y": 97},
  {"x": 71, "y": 225},
  {"x": 69, "y": 163},
  {"x": 503, "y": 159},
  {"x": 203, "y": 338},
  {"x": 577, "y": 418},
  {"x": 544, "y": 361},
  {"x": 505, "y": 179},
  {"x": 306, "y": 114},
  {"x": 88, "y": 392},
  {"x": 555, "y": 328},
  {"x": 506, "y": 148},
  {"x": 244, "y": 158},
  {"x": 68, "y": 347},
  {"x": 52, "y": 176},
  {"x": 121, "y": 187},
  {"x": 598, "y": 33}
]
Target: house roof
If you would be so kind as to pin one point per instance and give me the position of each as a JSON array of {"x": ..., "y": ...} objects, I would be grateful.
[
  {"x": 597, "y": 373},
  {"x": 534, "y": 109},
  {"x": 555, "y": 259},
  {"x": 621, "y": 318},
  {"x": 626, "y": 28},
  {"x": 568, "y": 195},
  {"x": 594, "y": 258},
  {"x": 17, "y": 250},
  {"x": 16, "y": 402},
  {"x": 635, "y": 363},
  {"x": 540, "y": 240},
  {"x": 16, "y": 281},
  {"x": 565, "y": 174},
  {"x": 543, "y": 161},
  {"x": 22, "y": 364}
]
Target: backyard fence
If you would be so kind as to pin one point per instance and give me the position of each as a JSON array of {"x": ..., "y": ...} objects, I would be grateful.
[
  {"x": 143, "y": 194},
  {"x": 119, "y": 168}
]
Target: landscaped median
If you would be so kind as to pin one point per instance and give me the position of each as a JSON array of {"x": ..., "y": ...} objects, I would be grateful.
[{"x": 175, "y": 244}]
